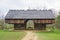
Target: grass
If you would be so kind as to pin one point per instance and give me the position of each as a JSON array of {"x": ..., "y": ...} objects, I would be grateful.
[
  {"x": 49, "y": 35},
  {"x": 11, "y": 35}
]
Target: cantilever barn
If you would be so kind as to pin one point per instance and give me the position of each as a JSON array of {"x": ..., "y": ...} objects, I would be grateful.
[{"x": 39, "y": 18}]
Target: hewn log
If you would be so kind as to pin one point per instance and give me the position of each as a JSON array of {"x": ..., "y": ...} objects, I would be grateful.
[
  {"x": 15, "y": 21},
  {"x": 44, "y": 21}
]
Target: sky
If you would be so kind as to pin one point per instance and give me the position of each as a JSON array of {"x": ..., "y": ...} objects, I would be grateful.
[{"x": 6, "y": 5}]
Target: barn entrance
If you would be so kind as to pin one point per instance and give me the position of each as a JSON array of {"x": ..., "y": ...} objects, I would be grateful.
[{"x": 29, "y": 25}]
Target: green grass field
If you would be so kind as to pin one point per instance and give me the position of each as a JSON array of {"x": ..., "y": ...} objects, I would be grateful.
[
  {"x": 49, "y": 35},
  {"x": 5, "y": 35},
  {"x": 11, "y": 35}
]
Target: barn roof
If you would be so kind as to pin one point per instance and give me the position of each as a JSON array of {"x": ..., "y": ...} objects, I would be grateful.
[{"x": 30, "y": 14}]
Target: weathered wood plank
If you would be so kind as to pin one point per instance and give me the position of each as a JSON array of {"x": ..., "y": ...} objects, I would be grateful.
[
  {"x": 14, "y": 21},
  {"x": 44, "y": 21},
  {"x": 35, "y": 21}
]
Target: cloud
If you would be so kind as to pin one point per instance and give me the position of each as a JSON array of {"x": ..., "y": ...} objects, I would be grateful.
[
  {"x": 19, "y": 4},
  {"x": 25, "y": 4}
]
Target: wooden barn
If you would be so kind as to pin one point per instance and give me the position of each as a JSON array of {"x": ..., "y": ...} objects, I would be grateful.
[{"x": 21, "y": 19}]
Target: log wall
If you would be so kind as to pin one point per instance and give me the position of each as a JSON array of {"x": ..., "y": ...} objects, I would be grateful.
[
  {"x": 47, "y": 21},
  {"x": 14, "y": 21}
]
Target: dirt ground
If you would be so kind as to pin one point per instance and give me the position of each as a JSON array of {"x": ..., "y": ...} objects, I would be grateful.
[{"x": 30, "y": 36}]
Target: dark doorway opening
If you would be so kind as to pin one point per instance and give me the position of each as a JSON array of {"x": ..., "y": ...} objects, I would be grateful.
[
  {"x": 40, "y": 26},
  {"x": 19, "y": 26}
]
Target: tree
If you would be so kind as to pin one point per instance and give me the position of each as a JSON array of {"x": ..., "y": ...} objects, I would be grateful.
[
  {"x": 2, "y": 21},
  {"x": 57, "y": 21}
]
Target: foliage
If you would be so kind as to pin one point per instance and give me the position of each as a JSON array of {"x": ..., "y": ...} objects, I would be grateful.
[
  {"x": 30, "y": 25},
  {"x": 9, "y": 26},
  {"x": 1, "y": 24},
  {"x": 6, "y": 26},
  {"x": 57, "y": 21},
  {"x": 50, "y": 27}
]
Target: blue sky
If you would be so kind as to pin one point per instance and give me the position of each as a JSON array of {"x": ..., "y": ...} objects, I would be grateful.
[{"x": 5, "y": 5}]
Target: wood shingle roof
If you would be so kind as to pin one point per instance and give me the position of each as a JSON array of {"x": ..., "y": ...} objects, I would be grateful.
[{"x": 30, "y": 14}]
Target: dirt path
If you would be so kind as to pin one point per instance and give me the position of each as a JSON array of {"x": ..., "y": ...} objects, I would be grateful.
[{"x": 30, "y": 36}]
